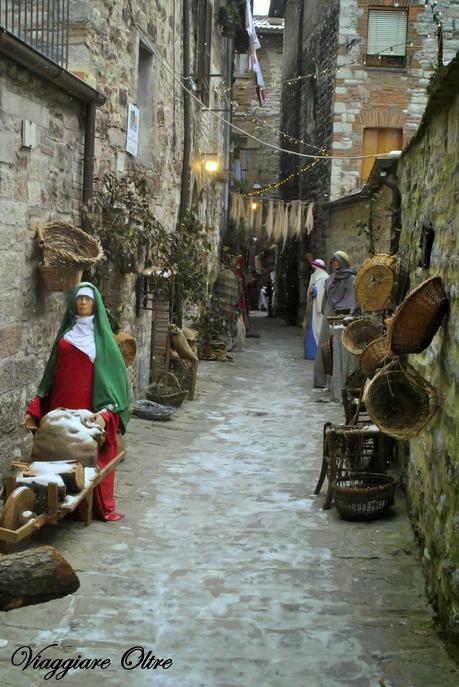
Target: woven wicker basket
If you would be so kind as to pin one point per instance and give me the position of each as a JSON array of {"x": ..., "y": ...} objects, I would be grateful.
[
  {"x": 327, "y": 356},
  {"x": 64, "y": 244},
  {"x": 167, "y": 390},
  {"x": 418, "y": 318},
  {"x": 128, "y": 347},
  {"x": 400, "y": 401},
  {"x": 364, "y": 496},
  {"x": 374, "y": 282},
  {"x": 375, "y": 355},
  {"x": 60, "y": 278},
  {"x": 401, "y": 281},
  {"x": 359, "y": 334}
]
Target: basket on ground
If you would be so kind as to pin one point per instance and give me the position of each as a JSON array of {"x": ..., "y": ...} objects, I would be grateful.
[
  {"x": 375, "y": 355},
  {"x": 128, "y": 347},
  {"x": 374, "y": 282},
  {"x": 65, "y": 244},
  {"x": 418, "y": 317},
  {"x": 359, "y": 334},
  {"x": 364, "y": 496},
  {"x": 327, "y": 356},
  {"x": 149, "y": 410},
  {"x": 167, "y": 390},
  {"x": 400, "y": 401}
]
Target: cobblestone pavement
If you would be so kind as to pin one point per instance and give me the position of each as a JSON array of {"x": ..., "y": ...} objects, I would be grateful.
[{"x": 226, "y": 562}]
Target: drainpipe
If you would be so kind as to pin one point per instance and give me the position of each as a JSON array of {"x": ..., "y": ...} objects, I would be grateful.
[
  {"x": 185, "y": 183},
  {"x": 89, "y": 145}
]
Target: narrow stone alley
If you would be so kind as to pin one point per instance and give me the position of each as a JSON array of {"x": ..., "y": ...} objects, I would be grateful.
[{"x": 226, "y": 562}]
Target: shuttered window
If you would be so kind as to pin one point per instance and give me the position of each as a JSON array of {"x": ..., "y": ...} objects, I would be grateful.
[
  {"x": 377, "y": 141},
  {"x": 387, "y": 30}
]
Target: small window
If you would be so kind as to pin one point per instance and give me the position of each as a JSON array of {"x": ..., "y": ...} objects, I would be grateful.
[
  {"x": 375, "y": 142},
  {"x": 204, "y": 49},
  {"x": 241, "y": 65},
  {"x": 387, "y": 31}
]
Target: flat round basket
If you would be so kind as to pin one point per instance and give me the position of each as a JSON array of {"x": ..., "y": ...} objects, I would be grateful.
[
  {"x": 65, "y": 244},
  {"x": 61, "y": 278},
  {"x": 375, "y": 355},
  {"x": 327, "y": 356},
  {"x": 167, "y": 390},
  {"x": 364, "y": 496},
  {"x": 149, "y": 410},
  {"x": 400, "y": 401},
  {"x": 359, "y": 334},
  {"x": 374, "y": 282},
  {"x": 418, "y": 317},
  {"x": 128, "y": 347}
]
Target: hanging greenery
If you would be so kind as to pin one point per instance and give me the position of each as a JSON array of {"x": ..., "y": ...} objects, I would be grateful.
[{"x": 120, "y": 215}]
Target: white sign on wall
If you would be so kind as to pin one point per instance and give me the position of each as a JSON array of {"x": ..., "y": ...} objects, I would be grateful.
[{"x": 132, "y": 142}]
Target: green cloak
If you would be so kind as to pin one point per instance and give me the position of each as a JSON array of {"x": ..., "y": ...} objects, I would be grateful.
[{"x": 110, "y": 385}]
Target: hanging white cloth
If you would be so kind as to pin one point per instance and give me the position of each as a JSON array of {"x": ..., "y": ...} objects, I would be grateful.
[
  {"x": 298, "y": 220},
  {"x": 277, "y": 230},
  {"x": 270, "y": 219},
  {"x": 82, "y": 336},
  {"x": 310, "y": 218}
]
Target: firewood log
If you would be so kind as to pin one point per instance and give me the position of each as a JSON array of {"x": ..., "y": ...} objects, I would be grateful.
[{"x": 34, "y": 576}]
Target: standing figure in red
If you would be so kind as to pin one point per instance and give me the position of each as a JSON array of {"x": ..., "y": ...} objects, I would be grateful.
[{"x": 86, "y": 371}]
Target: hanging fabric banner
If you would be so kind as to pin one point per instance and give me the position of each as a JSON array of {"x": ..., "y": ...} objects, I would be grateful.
[
  {"x": 310, "y": 218},
  {"x": 270, "y": 219}
]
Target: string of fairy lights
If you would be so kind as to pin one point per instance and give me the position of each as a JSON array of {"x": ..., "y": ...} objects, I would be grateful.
[{"x": 285, "y": 180}]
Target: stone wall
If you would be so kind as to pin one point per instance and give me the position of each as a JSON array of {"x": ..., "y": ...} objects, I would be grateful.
[
  {"x": 307, "y": 104},
  {"x": 429, "y": 180},
  {"x": 37, "y": 184},
  {"x": 343, "y": 233}
]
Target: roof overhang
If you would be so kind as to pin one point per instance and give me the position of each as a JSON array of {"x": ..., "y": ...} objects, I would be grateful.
[
  {"x": 381, "y": 168},
  {"x": 15, "y": 49},
  {"x": 277, "y": 8}
]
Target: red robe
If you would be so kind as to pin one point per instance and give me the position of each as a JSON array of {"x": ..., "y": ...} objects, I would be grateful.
[{"x": 72, "y": 388}]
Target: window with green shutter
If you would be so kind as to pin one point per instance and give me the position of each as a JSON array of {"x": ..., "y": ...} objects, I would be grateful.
[{"x": 387, "y": 32}]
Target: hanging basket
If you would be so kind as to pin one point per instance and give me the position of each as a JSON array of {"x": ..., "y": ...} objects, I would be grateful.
[
  {"x": 359, "y": 334},
  {"x": 128, "y": 347},
  {"x": 401, "y": 281},
  {"x": 327, "y": 356},
  {"x": 375, "y": 355},
  {"x": 60, "y": 278},
  {"x": 400, "y": 401},
  {"x": 167, "y": 390},
  {"x": 374, "y": 282},
  {"x": 418, "y": 318},
  {"x": 364, "y": 496},
  {"x": 65, "y": 244}
]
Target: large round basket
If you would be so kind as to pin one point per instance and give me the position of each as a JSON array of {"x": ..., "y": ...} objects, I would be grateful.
[
  {"x": 327, "y": 356},
  {"x": 364, "y": 496},
  {"x": 65, "y": 244},
  {"x": 167, "y": 390},
  {"x": 359, "y": 334},
  {"x": 61, "y": 278},
  {"x": 374, "y": 282},
  {"x": 375, "y": 355},
  {"x": 418, "y": 317},
  {"x": 400, "y": 401},
  {"x": 128, "y": 347}
]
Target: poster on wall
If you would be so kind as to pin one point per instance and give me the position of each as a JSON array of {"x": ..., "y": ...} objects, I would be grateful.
[{"x": 132, "y": 143}]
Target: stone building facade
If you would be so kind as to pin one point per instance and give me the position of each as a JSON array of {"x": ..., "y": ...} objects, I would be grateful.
[
  {"x": 132, "y": 53},
  {"x": 259, "y": 164},
  {"x": 429, "y": 182},
  {"x": 352, "y": 100}
]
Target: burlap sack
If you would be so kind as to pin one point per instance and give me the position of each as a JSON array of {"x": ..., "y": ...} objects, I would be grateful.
[
  {"x": 68, "y": 435},
  {"x": 180, "y": 344}
]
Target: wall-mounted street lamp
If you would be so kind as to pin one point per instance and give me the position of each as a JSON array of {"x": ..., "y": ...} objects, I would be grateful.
[{"x": 210, "y": 162}]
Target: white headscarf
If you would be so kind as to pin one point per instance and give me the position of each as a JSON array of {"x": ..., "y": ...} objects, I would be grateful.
[{"x": 82, "y": 333}]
